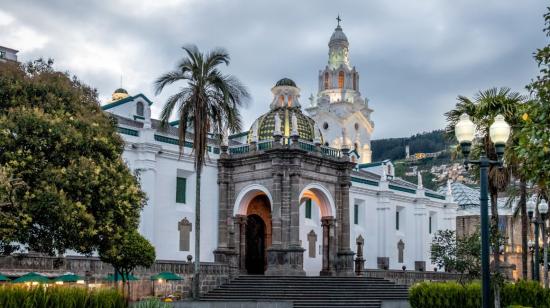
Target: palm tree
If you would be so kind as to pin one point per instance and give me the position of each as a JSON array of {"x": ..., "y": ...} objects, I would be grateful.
[
  {"x": 207, "y": 102},
  {"x": 482, "y": 110}
]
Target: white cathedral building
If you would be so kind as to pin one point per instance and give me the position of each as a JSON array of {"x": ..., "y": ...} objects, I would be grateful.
[{"x": 293, "y": 195}]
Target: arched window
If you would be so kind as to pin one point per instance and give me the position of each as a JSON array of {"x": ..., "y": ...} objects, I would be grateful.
[
  {"x": 281, "y": 100},
  {"x": 326, "y": 80},
  {"x": 139, "y": 109},
  {"x": 355, "y": 81},
  {"x": 289, "y": 101},
  {"x": 341, "y": 80}
]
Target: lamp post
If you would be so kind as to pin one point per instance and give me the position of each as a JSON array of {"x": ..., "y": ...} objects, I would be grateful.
[
  {"x": 531, "y": 246},
  {"x": 499, "y": 132},
  {"x": 543, "y": 210},
  {"x": 533, "y": 243}
]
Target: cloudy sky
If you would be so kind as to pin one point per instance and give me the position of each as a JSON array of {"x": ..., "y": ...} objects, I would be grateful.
[{"x": 414, "y": 57}]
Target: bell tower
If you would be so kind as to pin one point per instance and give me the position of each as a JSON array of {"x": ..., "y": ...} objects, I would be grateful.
[{"x": 338, "y": 106}]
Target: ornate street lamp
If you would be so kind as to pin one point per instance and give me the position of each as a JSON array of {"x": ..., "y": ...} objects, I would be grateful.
[
  {"x": 543, "y": 210},
  {"x": 499, "y": 132},
  {"x": 530, "y": 211}
]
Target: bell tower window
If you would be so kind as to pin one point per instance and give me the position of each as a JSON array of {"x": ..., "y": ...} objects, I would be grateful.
[
  {"x": 326, "y": 80},
  {"x": 341, "y": 80},
  {"x": 139, "y": 109},
  {"x": 355, "y": 81}
]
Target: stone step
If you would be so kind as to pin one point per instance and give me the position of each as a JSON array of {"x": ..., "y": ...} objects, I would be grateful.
[{"x": 308, "y": 292}]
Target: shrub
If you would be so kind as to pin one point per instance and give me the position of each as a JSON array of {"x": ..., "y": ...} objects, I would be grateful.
[
  {"x": 61, "y": 297},
  {"x": 151, "y": 303},
  {"x": 452, "y": 294}
]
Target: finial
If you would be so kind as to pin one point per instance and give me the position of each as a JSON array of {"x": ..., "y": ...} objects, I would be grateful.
[
  {"x": 339, "y": 20},
  {"x": 420, "y": 186},
  {"x": 277, "y": 130},
  {"x": 294, "y": 124}
]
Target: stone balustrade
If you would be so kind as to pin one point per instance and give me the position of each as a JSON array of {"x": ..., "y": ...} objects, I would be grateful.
[{"x": 410, "y": 277}]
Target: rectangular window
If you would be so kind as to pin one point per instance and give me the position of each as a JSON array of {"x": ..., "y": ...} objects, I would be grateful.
[
  {"x": 356, "y": 214},
  {"x": 396, "y": 220},
  {"x": 430, "y": 225},
  {"x": 308, "y": 208},
  {"x": 181, "y": 187}
]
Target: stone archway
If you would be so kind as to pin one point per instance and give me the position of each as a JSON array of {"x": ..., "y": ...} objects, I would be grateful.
[
  {"x": 322, "y": 198},
  {"x": 253, "y": 228}
]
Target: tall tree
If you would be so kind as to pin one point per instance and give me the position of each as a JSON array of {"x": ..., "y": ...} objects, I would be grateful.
[
  {"x": 483, "y": 109},
  {"x": 60, "y": 164},
  {"x": 207, "y": 102},
  {"x": 534, "y": 143}
]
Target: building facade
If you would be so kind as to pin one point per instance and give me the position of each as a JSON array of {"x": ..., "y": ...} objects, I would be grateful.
[{"x": 288, "y": 196}]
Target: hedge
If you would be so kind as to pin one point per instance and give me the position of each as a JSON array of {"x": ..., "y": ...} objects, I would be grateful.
[
  {"x": 452, "y": 294},
  {"x": 61, "y": 297}
]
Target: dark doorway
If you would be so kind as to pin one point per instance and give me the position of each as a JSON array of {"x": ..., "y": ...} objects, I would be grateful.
[{"x": 255, "y": 245}]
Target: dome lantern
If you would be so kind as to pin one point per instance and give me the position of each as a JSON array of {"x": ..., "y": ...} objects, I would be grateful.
[{"x": 286, "y": 107}]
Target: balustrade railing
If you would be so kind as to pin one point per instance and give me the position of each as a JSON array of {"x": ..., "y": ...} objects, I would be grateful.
[{"x": 241, "y": 149}]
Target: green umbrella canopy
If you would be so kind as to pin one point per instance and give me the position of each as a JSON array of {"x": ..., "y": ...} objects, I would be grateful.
[
  {"x": 111, "y": 277},
  {"x": 32, "y": 277},
  {"x": 166, "y": 276},
  {"x": 68, "y": 278},
  {"x": 4, "y": 278}
]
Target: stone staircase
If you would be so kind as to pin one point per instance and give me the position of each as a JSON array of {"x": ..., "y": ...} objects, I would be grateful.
[{"x": 306, "y": 292}]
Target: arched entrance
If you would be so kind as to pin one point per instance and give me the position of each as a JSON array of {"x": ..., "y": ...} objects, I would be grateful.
[
  {"x": 317, "y": 230},
  {"x": 258, "y": 234},
  {"x": 255, "y": 245}
]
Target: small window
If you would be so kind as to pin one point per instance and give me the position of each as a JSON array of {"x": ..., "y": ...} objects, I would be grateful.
[
  {"x": 325, "y": 126},
  {"x": 139, "y": 109},
  {"x": 2, "y": 54},
  {"x": 356, "y": 126},
  {"x": 356, "y": 214},
  {"x": 355, "y": 81},
  {"x": 326, "y": 80},
  {"x": 430, "y": 225},
  {"x": 181, "y": 187},
  {"x": 308, "y": 208},
  {"x": 397, "y": 220},
  {"x": 341, "y": 80}
]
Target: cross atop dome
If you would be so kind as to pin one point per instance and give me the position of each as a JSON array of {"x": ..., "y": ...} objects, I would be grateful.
[{"x": 339, "y": 20}]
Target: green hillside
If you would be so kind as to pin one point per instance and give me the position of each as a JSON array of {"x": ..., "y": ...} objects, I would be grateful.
[{"x": 394, "y": 148}]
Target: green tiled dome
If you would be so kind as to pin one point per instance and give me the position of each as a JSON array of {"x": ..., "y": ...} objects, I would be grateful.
[
  {"x": 285, "y": 82},
  {"x": 266, "y": 124}
]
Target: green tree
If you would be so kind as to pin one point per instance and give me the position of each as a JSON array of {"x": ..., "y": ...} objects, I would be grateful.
[
  {"x": 125, "y": 251},
  {"x": 207, "y": 102},
  {"x": 534, "y": 143},
  {"x": 60, "y": 162},
  {"x": 461, "y": 255}
]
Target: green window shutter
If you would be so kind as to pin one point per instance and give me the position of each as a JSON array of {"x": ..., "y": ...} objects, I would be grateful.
[
  {"x": 356, "y": 214},
  {"x": 308, "y": 208},
  {"x": 181, "y": 187},
  {"x": 397, "y": 220}
]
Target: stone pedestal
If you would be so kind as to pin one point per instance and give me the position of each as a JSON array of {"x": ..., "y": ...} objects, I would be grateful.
[
  {"x": 344, "y": 264},
  {"x": 285, "y": 261},
  {"x": 420, "y": 266},
  {"x": 383, "y": 262},
  {"x": 229, "y": 257}
]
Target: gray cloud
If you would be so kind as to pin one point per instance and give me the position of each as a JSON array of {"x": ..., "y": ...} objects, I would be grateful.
[{"x": 414, "y": 57}]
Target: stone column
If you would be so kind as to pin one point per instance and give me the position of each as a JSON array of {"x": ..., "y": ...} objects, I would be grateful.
[
  {"x": 294, "y": 207},
  {"x": 382, "y": 210},
  {"x": 344, "y": 265},
  {"x": 328, "y": 223},
  {"x": 420, "y": 222},
  {"x": 240, "y": 227}
]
